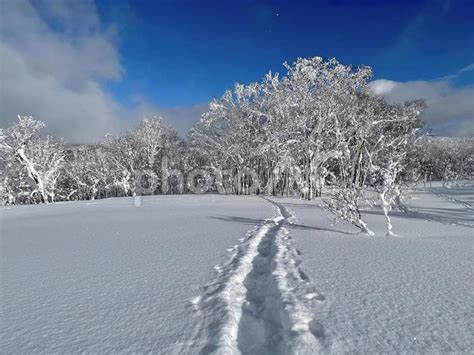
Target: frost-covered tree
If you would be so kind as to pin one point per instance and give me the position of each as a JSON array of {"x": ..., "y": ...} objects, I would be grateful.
[
  {"x": 136, "y": 154},
  {"x": 30, "y": 160},
  {"x": 394, "y": 132},
  {"x": 317, "y": 125},
  {"x": 87, "y": 172},
  {"x": 447, "y": 159}
]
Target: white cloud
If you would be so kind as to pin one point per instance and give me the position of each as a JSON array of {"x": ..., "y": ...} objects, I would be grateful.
[
  {"x": 382, "y": 86},
  {"x": 56, "y": 75},
  {"x": 183, "y": 117},
  {"x": 450, "y": 109}
]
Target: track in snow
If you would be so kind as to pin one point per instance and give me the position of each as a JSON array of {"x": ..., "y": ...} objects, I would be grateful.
[
  {"x": 260, "y": 302},
  {"x": 409, "y": 210},
  {"x": 452, "y": 199}
]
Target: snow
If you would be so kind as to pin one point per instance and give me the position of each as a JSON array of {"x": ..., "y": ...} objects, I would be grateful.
[
  {"x": 258, "y": 303},
  {"x": 451, "y": 206},
  {"x": 106, "y": 276},
  {"x": 405, "y": 294},
  {"x": 230, "y": 274}
]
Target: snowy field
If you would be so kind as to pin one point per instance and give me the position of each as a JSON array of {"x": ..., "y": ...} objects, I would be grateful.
[
  {"x": 405, "y": 294},
  {"x": 228, "y": 274}
]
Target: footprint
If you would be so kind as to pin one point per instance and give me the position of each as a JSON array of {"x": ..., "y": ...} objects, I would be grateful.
[
  {"x": 316, "y": 328},
  {"x": 303, "y": 275}
]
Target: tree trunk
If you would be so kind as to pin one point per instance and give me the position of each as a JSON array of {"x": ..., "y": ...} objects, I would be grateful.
[
  {"x": 33, "y": 174},
  {"x": 164, "y": 176}
]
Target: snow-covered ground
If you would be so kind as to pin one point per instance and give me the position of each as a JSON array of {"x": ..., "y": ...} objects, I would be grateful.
[
  {"x": 406, "y": 294},
  {"x": 228, "y": 274},
  {"x": 107, "y": 276}
]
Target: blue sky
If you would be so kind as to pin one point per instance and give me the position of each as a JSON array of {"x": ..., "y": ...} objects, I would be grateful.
[
  {"x": 88, "y": 67},
  {"x": 184, "y": 52}
]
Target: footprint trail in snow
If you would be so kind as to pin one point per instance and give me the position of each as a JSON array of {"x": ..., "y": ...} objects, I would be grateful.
[{"x": 260, "y": 301}]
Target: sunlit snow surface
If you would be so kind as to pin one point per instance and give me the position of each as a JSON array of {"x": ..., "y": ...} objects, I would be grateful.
[
  {"x": 185, "y": 274},
  {"x": 407, "y": 294},
  {"x": 106, "y": 275}
]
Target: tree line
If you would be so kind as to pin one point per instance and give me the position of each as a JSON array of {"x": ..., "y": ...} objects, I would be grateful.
[{"x": 318, "y": 127}]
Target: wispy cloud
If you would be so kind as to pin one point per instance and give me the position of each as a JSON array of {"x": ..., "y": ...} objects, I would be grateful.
[
  {"x": 416, "y": 29},
  {"x": 181, "y": 118},
  {"x": 467, "y": 68}
]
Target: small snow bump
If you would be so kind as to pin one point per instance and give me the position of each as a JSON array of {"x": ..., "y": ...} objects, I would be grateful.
[
  {"x": 314, "y": 296},
  {"x": 196, "y": 300}
]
